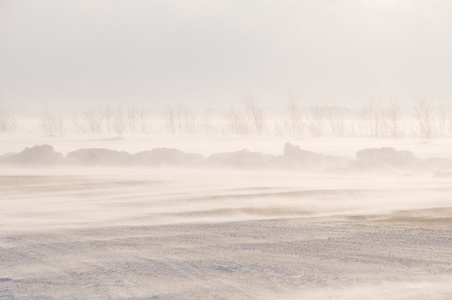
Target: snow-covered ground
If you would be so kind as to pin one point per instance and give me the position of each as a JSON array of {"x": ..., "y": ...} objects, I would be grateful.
[{"x": 118, "y": 232}]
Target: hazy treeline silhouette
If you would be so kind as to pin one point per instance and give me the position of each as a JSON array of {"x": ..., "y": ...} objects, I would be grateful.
[{"x": 423, "y": 118}]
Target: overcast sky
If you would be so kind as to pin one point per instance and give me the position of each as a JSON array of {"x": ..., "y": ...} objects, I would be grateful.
[{"x": 207, "y": 52}]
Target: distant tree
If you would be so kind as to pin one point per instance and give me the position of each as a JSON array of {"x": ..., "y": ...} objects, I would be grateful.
[
  {"x": 119, "y": 121},
  {"x": 180, "y": 119},
  {"x": 372, "y": 118},
  {"x": 316, "y": 120},
  {"x": 393, "y": 119},
  {"x": 108, "y": 117},
  {"x": 186, "y": 120},
  {"x": 295, "y": 117},
  {"x": 94, "y": 117},
  {"x": 441, "y": 118},
  {"x": 336, "y": 116},
  {"x": 142, "y": 115},
  {"x": 132, "y": 118},
  {"x": 170, "y": 120},
  {"x": 52, "y": 123},
  {"x": 423, "y": 114},
  {"x": 236, "y": 121},
  {"x": 7, "y": 120},
  {"x": 256, "y": 115}
]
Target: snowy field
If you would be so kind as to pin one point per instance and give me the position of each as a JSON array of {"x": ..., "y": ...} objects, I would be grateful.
[
  {"x": 264, "y": 149},
  {"x": 318, "y": 221}
]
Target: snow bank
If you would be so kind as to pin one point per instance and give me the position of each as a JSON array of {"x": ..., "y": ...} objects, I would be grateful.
[
  {"x": 98, "y": 156},
  {"x": 372, "y": 160},
  {"x": 166, "y": 157},
  {"x": 37, "y": 155},
  {"x": 384, "y": 159},
  {"x": 387, "y": 156},
  {"x": 438, "y": 164},
  {"x": 296, "y": 158},
  {"x": 389, "y": 160},
  {"x": 293, "y": 158},
  {"x": 243, "y": 159}
]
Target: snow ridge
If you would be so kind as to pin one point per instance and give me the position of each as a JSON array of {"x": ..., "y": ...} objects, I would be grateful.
[{"x": 380, "y": 160}]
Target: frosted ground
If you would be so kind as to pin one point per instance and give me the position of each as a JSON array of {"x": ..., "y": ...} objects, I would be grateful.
[{"x": 317, "y": 221}]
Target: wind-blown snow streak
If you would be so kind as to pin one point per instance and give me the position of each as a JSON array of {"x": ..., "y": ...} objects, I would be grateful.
[
  {"x": 135, "y": 233},
  {"x": 167, "y": 224}
]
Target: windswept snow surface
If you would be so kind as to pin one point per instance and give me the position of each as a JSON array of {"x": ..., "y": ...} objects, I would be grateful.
[{"x": 81, "y": 230}]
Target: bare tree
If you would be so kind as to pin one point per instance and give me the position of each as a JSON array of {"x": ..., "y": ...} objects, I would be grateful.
[
  {"x": 424, "y": 118},
  {"x": 336, "y": 116},
  {"x": 108, "y": 117},
  {"x": 295, "y": 117},
  {"x": 170, "y": 120},
  {"x": 278, "y": 126},
  {"x": 119, "y": 121},
  {"x": 94, "y": 117},
  {"x": 352, "y": 124},
  {"x": 7, "y": 120},
  {"x": 393, "y": 119},
  {"x": 179, "y": 119},
  {"x": 372, "y": 118},
  {"x": 142, "y": 115},
  {"x": 257, "y": 116},
  {"x": 78, "y": 124},
  {"x": 186, "y": 120},
  {"x": 208, "y": 126},
  {"x": 52, "y": 123},
  {"x": 316, "y": 120},
  {"x": 235, "y": 121},
  {"x": 442, "y": 116},
  {"x": 132, "y": 118}
]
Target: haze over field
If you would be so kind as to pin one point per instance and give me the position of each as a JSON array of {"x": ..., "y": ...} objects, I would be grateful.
[
  {"x": 163, "y": 223},
  {"x": 144, "y": 233}
]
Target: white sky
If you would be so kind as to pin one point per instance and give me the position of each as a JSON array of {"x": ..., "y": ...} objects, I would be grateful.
[{"x": 206, "y": 52}]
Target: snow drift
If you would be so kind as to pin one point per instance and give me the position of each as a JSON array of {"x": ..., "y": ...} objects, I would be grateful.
[
  {"x": 37, "y": 155},
  {"x": 166, "y": 157},
  {"x": 98, "y": 157},
  {"x": 389, "y": 160},
  {"x": 372, "y": 160},
  {"x": 296, "y": 158},
  {"x": 243, "y": 159}
]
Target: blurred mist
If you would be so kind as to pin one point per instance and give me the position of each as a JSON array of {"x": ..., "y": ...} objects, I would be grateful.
[{"x": 211, "y": 53}]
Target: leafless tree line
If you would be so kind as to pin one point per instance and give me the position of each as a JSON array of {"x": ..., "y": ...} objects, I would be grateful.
[
  {"x": 423, "y": 119},
  {"x": 249, "y": 119},
  {"x": 179, "y": 119},
  {"x": 97, "y": 120},
  {"x": 7, "y": 120}
]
